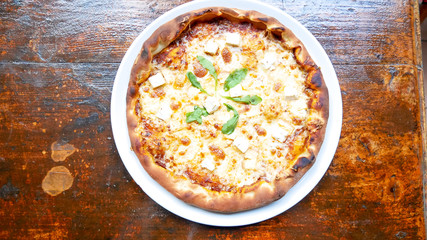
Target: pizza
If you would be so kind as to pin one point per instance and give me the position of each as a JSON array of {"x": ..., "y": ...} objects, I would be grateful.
[{"x": 226, "y": 109}]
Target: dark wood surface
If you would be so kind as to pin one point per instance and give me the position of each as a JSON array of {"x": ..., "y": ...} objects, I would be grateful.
[{"x": 61, "y": 175}]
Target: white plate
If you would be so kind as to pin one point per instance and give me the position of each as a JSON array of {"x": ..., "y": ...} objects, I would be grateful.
[{"x": 178, "y": 207}]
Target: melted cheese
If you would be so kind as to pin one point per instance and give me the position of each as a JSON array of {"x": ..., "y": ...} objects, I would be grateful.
[{"x": 256, "y": 155}]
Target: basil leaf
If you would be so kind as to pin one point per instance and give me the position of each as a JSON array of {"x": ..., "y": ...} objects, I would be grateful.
[
  {"x": 230, "y": 125},
  {"x": 235, "y": 78},
  {"x": 195, "y": 83},
  {"x": 210, "y": 67},
  {"x": 196, "y": 115},
  {"x": 253, "y": 100}
]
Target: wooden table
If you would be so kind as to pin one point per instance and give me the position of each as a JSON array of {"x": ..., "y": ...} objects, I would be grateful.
[{"x": 61, "y": 175}]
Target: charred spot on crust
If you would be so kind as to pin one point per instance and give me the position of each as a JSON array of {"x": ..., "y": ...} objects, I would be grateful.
[
  {"x": 208, "y": 10},
  {"x": 132, "y": 91},
  {"x": 276, "y": 34},
  {"x": 144, "y": 53},
  {"x": 312, "y": 139},
  {"x": 316, "y": 79},
  {"x": 263, "y": 19},
  {"x": 277, "y": 31},
  {"x": 318, "y": 105},
  {"x": 302, "y": 162}
]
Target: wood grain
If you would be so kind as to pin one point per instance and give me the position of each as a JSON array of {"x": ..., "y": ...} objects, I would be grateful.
[
  {"x": 58, "y": 61},
  {"x": 350, "y": 32}
]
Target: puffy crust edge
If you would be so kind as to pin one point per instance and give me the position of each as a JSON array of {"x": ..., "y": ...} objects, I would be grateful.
[{"x": 250, "y": 197}]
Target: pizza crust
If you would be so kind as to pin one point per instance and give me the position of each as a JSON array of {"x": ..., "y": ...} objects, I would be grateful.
[{"x": 248, "y": 197}]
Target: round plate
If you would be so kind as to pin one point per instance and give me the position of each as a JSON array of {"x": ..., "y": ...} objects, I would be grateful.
[{"x": 178, "y": 207}]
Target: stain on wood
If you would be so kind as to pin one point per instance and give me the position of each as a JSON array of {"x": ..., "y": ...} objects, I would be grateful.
[
  {"x": 57, "y": 180},
  {"x": 61, "y": 150},
  {"x": 57, "y": 67}
]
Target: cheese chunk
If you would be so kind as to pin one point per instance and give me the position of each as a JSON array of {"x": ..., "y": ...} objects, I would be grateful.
[
  {"x": 232, "y": 39},
  {"x": 231, "y": 136},
  {"x": 157, "y": 80},
  {"x": 208, "y": 163},
  {"x": 165, "y": 112},
  {"x": 236, "y": 91},
  {"x": 241, "y": 143},
  {"x": 249, "y": 164},
  {"x": 251, "y": 157},
  {"x": 211, "y": 47},
  {"x": 211, "y": 104},
  {"x": 298, "y": 108},
  {"x": 269, "y": 60},
  {"x": 279, "y": 133},
  {"x": 291, "y": 92}
]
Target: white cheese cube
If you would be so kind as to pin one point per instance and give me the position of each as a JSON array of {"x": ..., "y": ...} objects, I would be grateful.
[
  {"x": 168, "y": 75},
  {"x": 251, "y": 154},
  {"x": 211, "y": 47},
  {"x": 233, "y": 39},
  {"x": 290, "y": 92},
  {"x": 298, "y": 108},
  {"x": 250, "y": 164},
  {"x": 269, "y": 60},
  {"x": 211, "y": 104},
  {"x": 236, "y": 91},
  {"x": 208, "y": 163},
  {"x": 279, "y": 133},
  {"x": 165, "y": 112},
  {"x": 157, "y": 80},
  {"x": 231, "y": 136},
  {"x": 241, "y": 143}
]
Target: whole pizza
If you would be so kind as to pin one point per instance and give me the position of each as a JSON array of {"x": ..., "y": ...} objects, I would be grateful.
[{"x": 226, "y": 109}]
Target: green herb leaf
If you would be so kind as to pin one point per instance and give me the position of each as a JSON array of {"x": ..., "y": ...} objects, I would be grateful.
[
  {"x": 195, "y": 83},
  {"x": 230, "y": 125},
  {"x": 235, "y": 78},
  {"x": 209, "y": 66},
  {"x": 253, "y": 100},
  {"x": 196, "y": 115}
]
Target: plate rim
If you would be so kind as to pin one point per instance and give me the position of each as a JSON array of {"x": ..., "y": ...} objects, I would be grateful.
[{"x": 192, "y": 213}]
